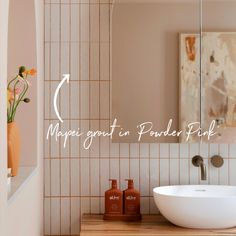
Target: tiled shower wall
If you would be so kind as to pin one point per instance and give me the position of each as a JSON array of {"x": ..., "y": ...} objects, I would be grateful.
[{"x": 77, "y": 41}]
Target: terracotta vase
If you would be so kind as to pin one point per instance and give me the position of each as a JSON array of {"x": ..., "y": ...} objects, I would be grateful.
[{"x": 13, "y": 147}]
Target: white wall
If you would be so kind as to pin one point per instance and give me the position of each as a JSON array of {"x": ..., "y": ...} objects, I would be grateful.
[{"x": 3, "y": 117}]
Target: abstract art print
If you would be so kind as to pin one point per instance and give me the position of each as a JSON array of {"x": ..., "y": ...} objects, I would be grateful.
[{"x": 216, "y": 100}]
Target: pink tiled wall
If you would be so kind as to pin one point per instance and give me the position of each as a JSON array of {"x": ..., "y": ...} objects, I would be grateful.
[{"x": 77, "y": 41}]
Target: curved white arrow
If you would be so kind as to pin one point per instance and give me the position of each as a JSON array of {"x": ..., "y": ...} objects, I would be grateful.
[{"x": 66, "y": 77}]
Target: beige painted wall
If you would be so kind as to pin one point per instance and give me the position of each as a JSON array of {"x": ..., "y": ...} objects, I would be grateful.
[{"x": 145, "y": 64}]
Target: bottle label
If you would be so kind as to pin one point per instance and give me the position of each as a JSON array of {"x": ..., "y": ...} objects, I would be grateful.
[
  {"x": 130, "y": 198},
  {"x": 114, "y": 197}
]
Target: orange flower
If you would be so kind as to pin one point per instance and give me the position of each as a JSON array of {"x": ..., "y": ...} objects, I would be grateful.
[{"x": 31, "y": 72}]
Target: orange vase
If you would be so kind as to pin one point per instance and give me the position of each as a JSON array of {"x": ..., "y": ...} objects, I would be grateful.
[{"x": 13, "y": 147}]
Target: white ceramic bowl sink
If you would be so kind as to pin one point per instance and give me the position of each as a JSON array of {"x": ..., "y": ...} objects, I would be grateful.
[{"x": 198, "y": 206}]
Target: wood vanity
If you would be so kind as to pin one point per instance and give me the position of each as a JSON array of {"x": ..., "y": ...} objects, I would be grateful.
[{"x": 150, "y": 226}]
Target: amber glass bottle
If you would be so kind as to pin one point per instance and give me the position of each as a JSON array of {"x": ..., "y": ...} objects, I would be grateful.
[
  {"x": 131, "y": 199},
  {"x": 113, "y": 200}
]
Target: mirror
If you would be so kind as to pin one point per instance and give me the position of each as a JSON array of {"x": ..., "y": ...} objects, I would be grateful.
[
  {"x": 173, "y": 70},
  {"x": 148, "y": 37}
]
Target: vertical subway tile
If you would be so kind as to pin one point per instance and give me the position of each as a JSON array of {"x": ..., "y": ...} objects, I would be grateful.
[
  {"x": 184, "y": 171},
  {"x": 232, "y": 150},
  {"x": 94, "y": 61},
  {"x": 224, "y": 150},
  {"x": 94, "y": 101},
  {"x": 104, "y": 22},
  {"x": 84, "y": 18},
  {"x": 85, "y": 177},
  {"x": 193, "y": 149},
  {"x": 114, "y": 169},
  {"x": 213, "y": 149},
  {"x": 194, "y": 173},
  {"x": 104, "y": 100},
  {"x": 114, "y": 150},
  {"x": 65, "y": 101},
  {"x": 65, "y": 22},
  {"x": 164, "y": 172},
  {"x": 104, "y": 141},
  {"x": 174, "y": 150},
  {"x": 95, "y": 205},
  {"x": 55, "y": 177},
  {"x": 84, "y": 91},
  {"x": 47, "y": 181},
  {"x": 65, "y": 177},
  {"x": 104, "y": 61},
  {"x": 74, "y": 147},
  {"x": 55, "y": 216},
  {"x": 85, "y": 205},
  {"x": 54, "y": 62},
  {"x": 75, "y": 22},
  {"x": 232, "y": 172},
  {"x": 154, "y": 150},
  {"x": 144, "y": 205},
  {"x": 47, "y": 216},
  {"x": 47, "y": 55},
  {"x": 144, "y": 150},
  {"x": 154, "y": 174},
  {"x": 65, "y": 59},
  {"x": 224, "y": 173},
  {"x": 174, "y": 171},
  {"x": 134, "y": 172},
  {"x": 47, "y": 100},
  {"x": 95, "y": 174},
  {"x": 84, "y": 61},
  {"x": 183, "y": 150},
  {"x": 84, "y": 142},
  {"x": 95, "y": 147},
  {"x": 144, "y": 177},
  {"x": 75, "y": 61},
  {"x": 104, "y": 165},
  {"x": 65, "y": 141},
  {"x": 204, "y": 150},
  {"x": 46, "y": 140},
  {"x": 47, "y": 15},
  {"x": 134, "y": 150},
  {"x": 164, "y": 150},
  {"x": 75, "y": 216},
  {"x": 124, "y": 173},
  {"x": 65, "y": 216},
  {"x": 55, "y": 22},
  {"x": 124, "y": 150},
  {"x": 54, "y": 144},
  {"x": 94, "y": 22},
  {"x": 75, "y": 177},
  {"x": 74, "y": 100}
]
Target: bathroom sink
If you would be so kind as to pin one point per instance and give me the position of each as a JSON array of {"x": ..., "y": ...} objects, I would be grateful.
[{"x": 198, "y": 206}]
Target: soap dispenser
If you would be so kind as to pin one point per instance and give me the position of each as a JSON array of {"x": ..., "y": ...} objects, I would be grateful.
[
  {"x": 131, "y": 199},
  {"x": 113, "y": 200}
]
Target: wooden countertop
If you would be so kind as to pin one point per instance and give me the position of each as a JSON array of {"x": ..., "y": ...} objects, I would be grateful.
[{"x": 94, "y": 225}]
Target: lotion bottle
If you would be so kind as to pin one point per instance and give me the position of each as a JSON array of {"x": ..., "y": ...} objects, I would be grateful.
[
  {"x": 131, "y": 199},
  {"x": 113, "y": 200}
]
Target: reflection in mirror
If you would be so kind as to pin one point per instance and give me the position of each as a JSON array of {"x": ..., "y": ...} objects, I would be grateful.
[
  {"x": 219, "y": 68},
  {"x": 147, "y": 39}
]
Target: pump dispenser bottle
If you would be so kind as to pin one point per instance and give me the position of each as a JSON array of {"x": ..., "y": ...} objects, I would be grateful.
[
  {"x": 131, "y": 199},
  {"x": 113, "y": 200}
]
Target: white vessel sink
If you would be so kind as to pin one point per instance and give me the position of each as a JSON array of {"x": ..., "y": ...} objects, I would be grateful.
[{"x": 198, "y": 206}]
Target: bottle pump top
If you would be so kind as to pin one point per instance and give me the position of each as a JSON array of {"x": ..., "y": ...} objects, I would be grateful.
[
  {"x": 113, "y": 183},
  {"x": 130, "y": 183}
]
